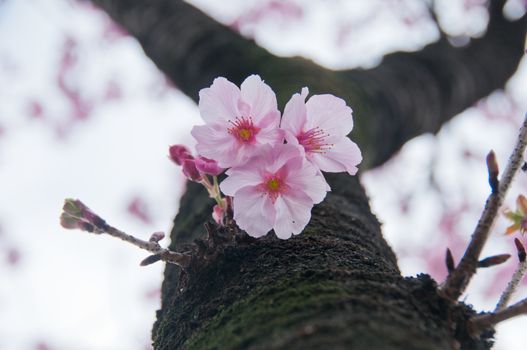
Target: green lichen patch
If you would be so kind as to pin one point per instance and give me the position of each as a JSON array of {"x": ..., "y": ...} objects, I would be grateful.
[{"x": 270, "y": 311}]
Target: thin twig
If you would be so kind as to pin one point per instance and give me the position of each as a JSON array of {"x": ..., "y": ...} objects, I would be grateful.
[
  {"x": 458, "y": 280},
  {"x": 152, "y": 246},
  {"x": 512, "y": 286},
  {"x": 480, "y": 323},
  {"x": 76, "y": 215},
  {"x": 516, "y": 277}
]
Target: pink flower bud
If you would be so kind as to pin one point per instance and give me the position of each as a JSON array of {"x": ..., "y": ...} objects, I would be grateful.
[
  {"x": 217, "y": 214},
  {"x": 77, "y": 215},
  {"x": 190, "y": 171},
  {"x": 76, "y": 208},
  {"x": 178, "y": 153},
  {"x": 208, "y": 166}
]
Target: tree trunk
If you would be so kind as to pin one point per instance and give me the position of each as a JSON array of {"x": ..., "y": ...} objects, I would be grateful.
[{"x": 337, "y": 284}]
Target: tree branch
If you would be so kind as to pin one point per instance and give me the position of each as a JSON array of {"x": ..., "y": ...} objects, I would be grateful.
[
  {"x": 458, "y": 280},
  {"x": 480, "y": 323},
  {"x": 406, "y": 95}
]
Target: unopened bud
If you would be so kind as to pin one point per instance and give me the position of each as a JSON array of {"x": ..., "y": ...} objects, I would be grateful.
[
  {"x": 449, "y": 261},
  {"x": 71, "y": 206},
  {"x": 492, "y": 166},
  {"x": 69, "y": 222},
  {"x": 190, "y": 170},
  {"x": 494, "y": 260},
  {"x": 157, "y": 236},
  {"x": 208, "y": 166},
  {"x": 76, "y": 208},
  {"x": 72, "y": 223},
  {"x": 77, "y": 215},
  {"x": 178, "y": 153},
  {"x": 217, "y": 214},
  {"x": 150, "y": 260},
  {"x": 521, "y": 250}
]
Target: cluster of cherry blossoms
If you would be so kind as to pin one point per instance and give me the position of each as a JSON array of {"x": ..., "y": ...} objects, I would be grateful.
[{"x": 273, "y": 164}]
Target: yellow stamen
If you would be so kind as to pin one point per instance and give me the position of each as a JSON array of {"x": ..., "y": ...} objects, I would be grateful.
[
  {"x": 273, "y": 184},
  {"x": 245, "y": 134}
]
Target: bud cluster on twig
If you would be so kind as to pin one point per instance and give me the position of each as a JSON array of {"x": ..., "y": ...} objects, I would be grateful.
[
  {"x": 458, "y": 280},
  {"x": 76, "y": 215},
  {"x": 459, "y": 276}
]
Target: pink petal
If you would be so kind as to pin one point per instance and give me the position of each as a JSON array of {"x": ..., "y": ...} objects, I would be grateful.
[
  {"x": 344, "y": 156},
  {"x": 259, "y": 96},
  {"x": 291, "y": 139},
  {"x": 239, "y": 178},
  {"x": 215, "y": 143},
  {"x": 295, "y": 112},
  {"x": 219, "y": 103},
  {"x": 331, "y": 114},
  {"x": 272, "y": 136},
  {"x": 270, "y": 120},
  {"x": 293, "y": 212},
  {"x": 253, "y": 212},
  {"x": 307, "y": 179},
  {"x": 276, "y": 157}
]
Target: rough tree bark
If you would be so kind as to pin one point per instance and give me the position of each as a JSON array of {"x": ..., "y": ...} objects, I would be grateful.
[{"x": 337, "y": 285}]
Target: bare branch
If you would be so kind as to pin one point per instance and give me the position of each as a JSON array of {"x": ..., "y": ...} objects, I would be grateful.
[
  {"x": 512, "y": 286},
  {"x": 480, "y": 323},
  {"x": 439, "y": 81},
  {"x": 516, "y": 278},
  {"x": 458, "y": 280}
]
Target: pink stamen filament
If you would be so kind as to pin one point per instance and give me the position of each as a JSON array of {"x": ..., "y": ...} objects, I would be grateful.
[
  {"x": 243, "y": 129},
  {"x": 313, "y": 140}
]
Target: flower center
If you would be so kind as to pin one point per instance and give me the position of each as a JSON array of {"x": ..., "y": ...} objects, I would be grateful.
[
  {"x": 244, "y": 134},
  {"x": 313, "y": 140},
  {"x": 273, "y": 186},
  {"x": 243, "y": 129}
]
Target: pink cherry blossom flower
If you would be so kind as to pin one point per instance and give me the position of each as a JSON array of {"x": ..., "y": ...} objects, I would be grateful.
[
  {"x": 237, "y": 121},
  {"x": 321, "y": 126},
  {"x": 276, "y": 189}
]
